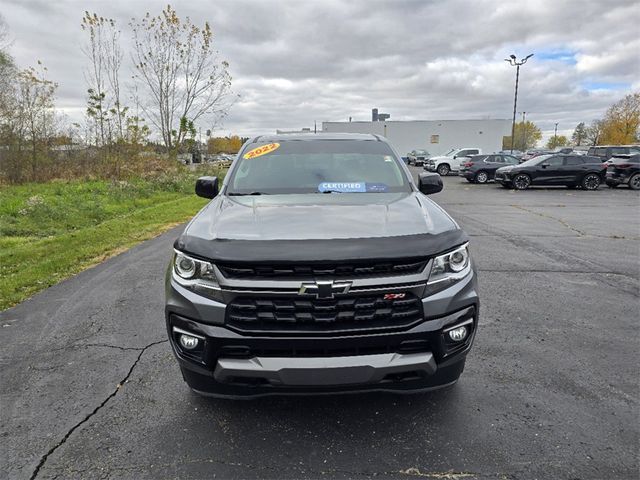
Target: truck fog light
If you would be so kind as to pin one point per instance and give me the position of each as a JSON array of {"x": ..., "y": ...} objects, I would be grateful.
[
  {"x": 458, "y": 334},
  {"x": 188, "y": 342}
]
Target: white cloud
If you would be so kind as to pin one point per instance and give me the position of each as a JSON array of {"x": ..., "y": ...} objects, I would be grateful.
[{"x": 295, "y": 62}]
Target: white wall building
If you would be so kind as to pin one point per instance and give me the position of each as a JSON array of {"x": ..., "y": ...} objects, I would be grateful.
[{"x": 435, "y": 136}]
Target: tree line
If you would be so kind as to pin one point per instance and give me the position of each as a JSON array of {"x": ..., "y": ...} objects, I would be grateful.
[
  {"x": 619, "y": 126},
  {"x": 151, "y": 101}
]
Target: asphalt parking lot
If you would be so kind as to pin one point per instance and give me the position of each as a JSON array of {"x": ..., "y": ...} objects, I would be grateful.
[{"x": 90, "y": 388}]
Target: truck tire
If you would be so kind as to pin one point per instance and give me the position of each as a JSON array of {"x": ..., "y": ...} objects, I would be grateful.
[{"x": 443, "y": 169}]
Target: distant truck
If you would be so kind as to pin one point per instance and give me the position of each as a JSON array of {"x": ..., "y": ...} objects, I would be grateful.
[
  {"x": 450, "y": 161},
  {"x": 418, "y": 157}
]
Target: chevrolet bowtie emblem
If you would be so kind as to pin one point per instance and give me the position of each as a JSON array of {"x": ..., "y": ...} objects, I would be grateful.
[{"x": 324, "y": 289}]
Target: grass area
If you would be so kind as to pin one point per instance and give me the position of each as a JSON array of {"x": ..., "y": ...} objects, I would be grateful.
[{"x": 51, "y": 231}]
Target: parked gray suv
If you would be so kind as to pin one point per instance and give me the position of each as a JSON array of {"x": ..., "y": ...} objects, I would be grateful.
[{"x": 319, "y": 267}]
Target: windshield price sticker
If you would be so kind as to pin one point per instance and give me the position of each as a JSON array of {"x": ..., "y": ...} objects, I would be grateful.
[
  {"x": 352, "y": 187},
  {"x": 377, "y": 187},
  {"x": 263, "y": 150},
  {"x": 343, "y": 187}
]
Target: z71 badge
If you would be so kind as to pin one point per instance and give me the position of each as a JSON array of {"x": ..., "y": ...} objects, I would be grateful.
[{"x": 394, "y": 296}]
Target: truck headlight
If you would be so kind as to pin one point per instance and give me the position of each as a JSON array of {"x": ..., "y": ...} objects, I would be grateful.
[
  {"x": 448, "y": 268},
  {"x": 196, "y": 275}
]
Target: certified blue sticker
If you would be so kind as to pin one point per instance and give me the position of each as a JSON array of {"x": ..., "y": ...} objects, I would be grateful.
[{"x": 342, "y": 187}]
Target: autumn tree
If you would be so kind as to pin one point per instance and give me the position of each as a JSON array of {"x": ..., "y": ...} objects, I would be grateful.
[
  {"x": 621, "y": 123},
  {"x": 527, "y": 135},
  {"x": 557, "y": 141},
  {"x": 579, "y": 135},
  {"x": 181, "y": 73},
  {"x": 230, "y": 144}
]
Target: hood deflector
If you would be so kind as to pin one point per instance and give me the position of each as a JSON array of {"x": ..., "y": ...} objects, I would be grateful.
[{"x": 347, "y": 249}]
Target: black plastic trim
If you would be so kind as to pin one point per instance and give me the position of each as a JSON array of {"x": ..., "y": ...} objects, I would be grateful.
[{"x": 336, "y": 250}]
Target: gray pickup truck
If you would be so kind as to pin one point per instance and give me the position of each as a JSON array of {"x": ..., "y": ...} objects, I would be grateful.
[{"x": 319, "y": 266}]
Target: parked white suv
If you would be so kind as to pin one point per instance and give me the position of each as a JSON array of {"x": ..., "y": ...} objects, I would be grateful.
[{"x": 450, "y": 161}]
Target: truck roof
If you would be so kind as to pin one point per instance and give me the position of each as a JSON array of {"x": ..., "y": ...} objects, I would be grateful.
[{"x": 283, "y": 137}]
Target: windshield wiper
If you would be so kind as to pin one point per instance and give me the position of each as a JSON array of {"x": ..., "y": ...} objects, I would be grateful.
[{"x": 244, "y": 194}]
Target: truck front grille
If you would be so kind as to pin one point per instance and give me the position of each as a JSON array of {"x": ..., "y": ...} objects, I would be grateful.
[
  {"x": 302, "y": 271},
  {"x": 296, "y": 314}
]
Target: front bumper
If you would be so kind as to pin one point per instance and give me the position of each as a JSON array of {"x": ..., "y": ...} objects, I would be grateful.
[
  {"x": 431, "y": 167},
  {"x": 232, "y": 363},
  {"x": 617, "y": 178},
  {"x": 502, "y": 177},
  {"x": 468, "y": 174}
]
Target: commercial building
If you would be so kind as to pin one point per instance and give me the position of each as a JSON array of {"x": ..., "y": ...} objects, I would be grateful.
[{"x": 435, "y": 136}]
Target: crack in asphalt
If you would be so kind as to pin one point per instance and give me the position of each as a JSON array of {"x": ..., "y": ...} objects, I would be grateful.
[
  {"x": 551, "y": 217},
  {"x": 525, "y": 243},
  {"x": 106, "y": 345},
  {"x": 44, "y": 458},
  {"x": 449, "y": 475}
]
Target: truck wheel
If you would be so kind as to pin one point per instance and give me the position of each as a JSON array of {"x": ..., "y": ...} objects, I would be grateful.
[
  {"x": 482, "y": 177},
  {"x": 521, "y": 181},
  {"x": 443, "y": 170},
  {"x": 591, "y": 181},
  {"x": 634, "y": 181}
]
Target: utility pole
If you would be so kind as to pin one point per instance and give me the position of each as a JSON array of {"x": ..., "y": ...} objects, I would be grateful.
[
  {"x": 514, "y": 63},
  {"x": 524, "y": 132},
  {"x": 555, "y": 135}
]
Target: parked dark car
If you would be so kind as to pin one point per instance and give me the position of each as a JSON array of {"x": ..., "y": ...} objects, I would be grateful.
[
  {"x": 624, "y": 170},
  {"x": 569, "y": 170},
  {"x": 605, "y": 152},
  {"x": 320, "y": 266},
  {"x": 482, "y": 168},
  {"x": 418, "y": 157}
]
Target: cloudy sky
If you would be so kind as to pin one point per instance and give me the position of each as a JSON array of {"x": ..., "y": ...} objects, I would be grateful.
[{"x": 296, "y": 62}]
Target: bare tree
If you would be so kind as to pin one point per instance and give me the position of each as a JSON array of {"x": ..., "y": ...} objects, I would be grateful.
[
  {"x": 113, "y": 56},
  {"x": 181, "y": 73},
  {"x": 7, "y": 70},
  {"x": 4, "y": 36},
  {"x": 95, "y": 73},
  {"x": 594, "y": 132},
  {"x": 103, "y": 76},
  {"x": 32, "y": 121}
]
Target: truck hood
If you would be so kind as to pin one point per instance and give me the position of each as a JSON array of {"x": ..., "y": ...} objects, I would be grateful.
[
  {"x": 319, "y": 227},
  {"x": 440, "y": 158}
]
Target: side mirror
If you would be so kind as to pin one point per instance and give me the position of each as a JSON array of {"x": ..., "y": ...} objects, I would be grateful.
[
  {"x": 207, "y": 187},
  {"x": 429, "y": 183},
  {"x": 544, "y": 165}
]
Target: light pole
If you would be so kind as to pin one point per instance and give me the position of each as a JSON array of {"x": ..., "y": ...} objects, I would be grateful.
[
  {"x": 514, "y": 63},
  {"x": 524, "y": 132},
  {"x": 555, "y": 134}
]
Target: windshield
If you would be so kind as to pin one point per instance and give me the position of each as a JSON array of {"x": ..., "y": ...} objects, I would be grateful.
[
  {"x": 535, "y": 161},
  {"x": 317, "y": 166},
  {"x": 449, "y": 153}
]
